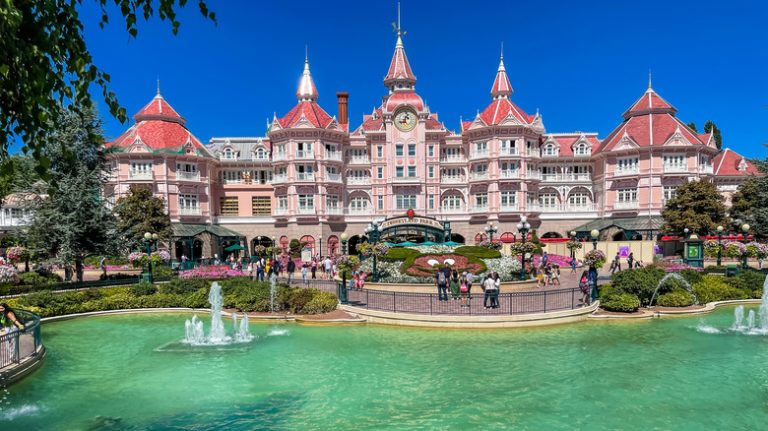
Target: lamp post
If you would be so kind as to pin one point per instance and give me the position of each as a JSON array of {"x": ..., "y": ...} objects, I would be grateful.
[
  {"x": 490, "y": 230},
  {"x": 685, "y": 233},
  {"x": 373, "y": 230},
  {"x": 572, "y": 234},
  {"x": 744, "y": 229},
  {"x": 320, "y": 245},
  {"x": 719, "y": 245},
  {"x": 594, "y": 234},
  {"x": 149, "y": 240},
  {"x": 344, "y": 243},
  {"x": 523, "y": 226}
]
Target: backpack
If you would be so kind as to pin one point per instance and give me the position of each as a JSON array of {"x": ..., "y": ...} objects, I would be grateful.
[{"x": 441, "y": 278}]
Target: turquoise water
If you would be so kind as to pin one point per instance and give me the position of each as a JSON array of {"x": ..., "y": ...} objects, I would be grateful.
[{"x": 106, "y": 373}]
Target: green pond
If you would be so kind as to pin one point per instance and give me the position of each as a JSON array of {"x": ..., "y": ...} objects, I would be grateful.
[{"x": 121, "y": 373}]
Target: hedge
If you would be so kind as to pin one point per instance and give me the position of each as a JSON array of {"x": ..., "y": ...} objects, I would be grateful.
[
  {"x": 622, "y": 302},
  {"x": 714, "y": 288},
  {"x": 640, "y": 282},
  {"x": 676, "y": 298},
  {"x": 478, "y": 252}
]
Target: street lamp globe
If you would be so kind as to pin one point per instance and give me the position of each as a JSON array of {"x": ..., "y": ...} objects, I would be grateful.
[
  {"x": 719, "y": 229},
  {"x": 147, "y": 236},
  {"x": 344, "y": 236},
  {"x": 594, "y": 233},
  {"x": 573, "y": 233},
  {"x": 154, "y": 236},
  {"x": 519, "y": 226},
  {"x": 745, "y": 228},
  {"x": 686, "y": 230}
]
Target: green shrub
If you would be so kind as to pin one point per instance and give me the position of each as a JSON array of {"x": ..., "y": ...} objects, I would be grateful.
[
  {"x": 111, "y": 260},
  {"x": 248, "y": 297},
  {"x": 37, "y": 279},
  {"x": 162, "y": 271},
  {"x": 478, "y": 252},
  {"x": 714, "y": 288},
  {"x": 299, "y": 298},
  {"x": 184, "y": 286},
  {"x": 197, "y": 299},
  {"x": 322, "y": 302},
  {"x": 118, "y": 276},
  {"x": 143, "y": 289},
  {"x": 676, "y": 298},
  {"x": 622, "y": 302},
  {"x": 748, "y": 280},
  {"x": 400, "y": 253},
  {"x": 714, "y": 270},
  {"x": 640, "y": 282},
  {"x": 691, "y": 276},
  {"x": 606, "y": 290}
]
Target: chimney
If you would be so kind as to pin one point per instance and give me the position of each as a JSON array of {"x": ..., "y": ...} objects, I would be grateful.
[{"x": 343, "y": 97}]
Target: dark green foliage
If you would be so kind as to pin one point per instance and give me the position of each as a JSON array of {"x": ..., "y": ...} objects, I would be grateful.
[
  {"x": 691, "y": 276},
  {"x": 162, "y": 272},
  {"x": 294, "y": 248},
  {"x": 299, "y": 298},
  {"x": 710, "y": 127},
  {"x": 117, "y": 276},
  {"x": 750, "y": 204},
  {"x": 639, "y": 282},
  {"x": 252, "y": 297},
  {"x": 95, "y": 260},
  {"x": 714, "y": 288},
  {"x": 478, "y": 252},
  {"x": 621, "y": 302},
  {"x": 46, "y": 63},
  {"x": 322, "y": 302},
  {"x": 138, "y": 212},
  {"x": 17, "y": 174},
  {"x": 676, "y": 298},
  {"x": 697, "y": 206},
  {"x": 183, "y": 286},
  {"x": 400, "y": 253},
  {"x": 748, "y": 280},
  {"x": 143, "y": 289},
  {"x": 37, "y": 279},
  {"x": 692, "y": 126}
]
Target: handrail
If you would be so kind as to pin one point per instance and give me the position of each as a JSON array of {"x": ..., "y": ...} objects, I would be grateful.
[{"x": 18, "y": 345}]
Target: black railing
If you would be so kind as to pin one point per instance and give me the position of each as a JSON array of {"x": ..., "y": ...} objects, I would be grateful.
[
  {"x": 477, "y": 304},
  {"x": 22, "y": 290},
  {"x": 15, "y": 346}
]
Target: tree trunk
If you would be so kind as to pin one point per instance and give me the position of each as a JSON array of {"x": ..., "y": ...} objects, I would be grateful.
[{"x": 79, "y": 270}]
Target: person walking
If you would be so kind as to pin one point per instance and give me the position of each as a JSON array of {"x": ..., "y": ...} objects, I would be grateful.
[
  {"x": 630, "y": 260},
  {"x": 314, "y": 269},
  {"x": 616, "y": 266},
  {"x": 304, "y": 274},
  {"x": 584, "y": 287},
  {"x": 455, "y": 291},
  {"x": 103, "y": 266},
  {"x": 496, "y": 290},
  {"x": 463, "y": 290},
  {"x": 291, "y": 267},
  {"x": 488, "y": 288},
  {"x": 470, "y": 278},
  {"x": 441, "y": 281},
  {"x": 555, "y": 280},
  {"x": 328, "y": 265},
  {"x": 573, "y": 266}
]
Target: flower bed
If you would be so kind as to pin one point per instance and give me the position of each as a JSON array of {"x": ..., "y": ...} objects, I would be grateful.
[
  {"x": 211, "y": 272},
  {"x": 424, "y": 265}
]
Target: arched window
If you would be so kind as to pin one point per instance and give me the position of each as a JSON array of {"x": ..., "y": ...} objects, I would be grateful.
[
  {"x": 507, "y": 237},
  {"x": 308, "y": 241},
  {"x": 550, "y": 150},
  {"x": 582, "y": 150},
  {"x": 260, "y": 154},
  {"x": 284, "y": 242},
  {"x": 480, "y": 237},
  {"x": 333, "y": 245}
]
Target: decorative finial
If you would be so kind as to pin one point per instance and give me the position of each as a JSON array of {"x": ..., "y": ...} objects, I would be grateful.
[
  {"x": 306, "y": 53},
  {"x": 649, "y": 79},
  {"x": 158, "y": 85},
  {"x": 502, "y": 50},
  {"x": 397, "y": 28}
]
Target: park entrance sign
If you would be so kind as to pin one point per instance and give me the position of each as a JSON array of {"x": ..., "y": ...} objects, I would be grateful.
[{"x": 416, "y": 229}]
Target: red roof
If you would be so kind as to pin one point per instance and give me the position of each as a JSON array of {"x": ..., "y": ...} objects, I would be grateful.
[
  {"x": 650, "y": 102},
  {"x": 159, "y": 127},
  {"x": 159, "y": 109},
  {"x": 433, "y": 124},
  {"x": 501, "y": 85},
  {"x": 727, "y": 163},
  {"x": 372, "y": 122},
  {"x": 311, "y": 111},
  {"x": 500, "y": 108},
  {"x": 567, "y": 141},
  {"x": 403, "y": 98},
  {"x": 399, "y": 68}
]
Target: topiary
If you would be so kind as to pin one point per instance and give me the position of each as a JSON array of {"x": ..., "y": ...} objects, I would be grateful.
[
  {"x": 676, "y": 298},
  {"x": 400, "y": 253},
  {"x": 621, "y": 302}
]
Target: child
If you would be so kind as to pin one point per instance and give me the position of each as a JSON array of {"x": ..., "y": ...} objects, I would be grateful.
[
  {"x": 548, "y": 274},
  {"x": 464, "y": 290},
  {"x": 584, "y": 287},
  {"x": 304, "y": 274},
  {"x": 556, "y": 275},
  {"x": 573, "y": 266},
  {"x": 539, "y": 277},
  {"x": 355, "y": 280}
]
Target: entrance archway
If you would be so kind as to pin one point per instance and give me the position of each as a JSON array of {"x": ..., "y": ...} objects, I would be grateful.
[
  {"x": 457, "y": 238},
  {"x": 551, "y": 235}
]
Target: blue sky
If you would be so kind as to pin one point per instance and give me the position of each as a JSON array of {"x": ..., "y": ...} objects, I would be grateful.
[{"x": 582, "y": 64}]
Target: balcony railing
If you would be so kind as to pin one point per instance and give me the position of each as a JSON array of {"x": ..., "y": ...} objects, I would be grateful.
[
  {"x": 507, "y": 175},
  {"x": 188, "y": 176},
  {"x": 281, "y": 211},
  {"x": 306, "y": 210},
  {"x": 478, "y": 208},
  {"x": 190, "y": 211},
  {"x": 359, "y": 211},
  {"x": 630, "y": 171},
  {"x": 304, "y": 176},
  {"x": 333, "y": 155},
  {"x": 478, "y": 154},
  {"x": 359, "y": 181},
  {"x": 706, "y": 169},
  {"x": 566, "y": 177},
  {"x": 675, "y": 168},
  {"x": 625, "y": 205},
  {"x": 453, "y": 180},
  {"x": 506, "y": 151},
  {"x": 277, "y": 179},
  {"x": 478, "y": 176},
  {"x": 533, "y": 175},
  {"x": 508, "y": 208},
  {"x": 333, "y": 178},
  {"x": 358, "y": 160},
  {"x": 567, "y": 208},
  {"x": 305, "y": 154},
  {"x": 452, "y": 210},
  {"x": 453, "y": 159},
  {"x": 413, "y": 179},
  {"x": 278, "y": 157},
  {"x": 140, "y": 175},
  {"x": 334, "y": 211}
]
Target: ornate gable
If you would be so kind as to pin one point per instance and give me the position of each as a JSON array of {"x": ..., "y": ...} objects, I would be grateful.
[
  {"x": 677, "y": 138},
  {"x": 626, "y": 143}
]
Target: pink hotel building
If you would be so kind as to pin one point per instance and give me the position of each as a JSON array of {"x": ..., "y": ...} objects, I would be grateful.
[{"x": 312, "y": 177}]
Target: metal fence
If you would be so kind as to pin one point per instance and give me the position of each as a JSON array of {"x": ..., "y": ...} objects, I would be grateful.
[
  {"x": 16, "y": 345},
  {"x": 476, "y": 304}
]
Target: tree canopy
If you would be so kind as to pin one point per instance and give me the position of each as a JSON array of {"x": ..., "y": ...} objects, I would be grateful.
[
  {"x": 697, "y": 206},
  {"x": 45, "y": 64},
  {"x": 750, "y": 204},
  {"x": 711, "y": 127},
  {"x": 139, "y": 212}
]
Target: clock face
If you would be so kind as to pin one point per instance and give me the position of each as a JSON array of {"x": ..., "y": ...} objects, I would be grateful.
[{"x": 405, "y": 120}]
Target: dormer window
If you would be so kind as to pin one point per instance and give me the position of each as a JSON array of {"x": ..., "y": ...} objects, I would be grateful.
[
  {"x": 228, "y": 154},
  {"x": 260, "y": 154},
  {"x": 582, "y": 150},
  {"x": 550, "y": 150}
]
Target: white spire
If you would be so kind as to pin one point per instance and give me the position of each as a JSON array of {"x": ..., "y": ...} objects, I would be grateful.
[{"x": 307, "y": 90}]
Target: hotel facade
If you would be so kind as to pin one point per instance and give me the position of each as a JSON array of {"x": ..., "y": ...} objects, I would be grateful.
[{"x": 313, "y": 177}]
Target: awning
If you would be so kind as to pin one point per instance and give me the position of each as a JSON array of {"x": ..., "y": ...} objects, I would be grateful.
[
  {"x": 184, "y": 230},
  {"x": 235, "y": 247},
  {"x": 653, "y": 223}
]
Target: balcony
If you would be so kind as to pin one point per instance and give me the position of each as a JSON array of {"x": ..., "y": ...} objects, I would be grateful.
[
  {"x": 566, "y": 178},
  {"x": 533, "y": 175},
  {"x": 306, "y": 211},
  {"x": 453, "y": 159},
  {"x": 478, "y": 154},
  {"x": 706, "y": 169},
  {"x": 333, "y": 178},
  {"x": 675, "y": 169},
  {"x": 509, "y": 175},
  {"x": 478, "y": 176},
  {"x": 478, "y": 209},
  {"x": 453, "y": 180},
  {"x": 631, "y": 171},
  {"x": 357, "y": 211},
  {"x": 507, "y": 152},
  {"x": 413, "y": 179},
  {"x": 358, "y": 181},
  {"x": 334, "y": 156},
  {"x": 334, "y": 211},
  {"x": 140, "y": 175},
  {"x": 279, "y": 157},
  {"x": 358, "y": 160},
  {"x": 508, "y": 208},
  {"x": 567, "y": 208},
  {"x": 625, "y": 205},
  {"x": 452, "y": 210},
  {"x": 278, "y": 179},
  {"x": 281, "y": 211},
  {"x": 264, "y": 158},
  {"x": 188, "y": 176},
  {"x": 549, "y": 177},
  {"x": 305, "y": 155},
  {"x": 190, "y": 211},
  {"x": 305, "y": 176}
]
